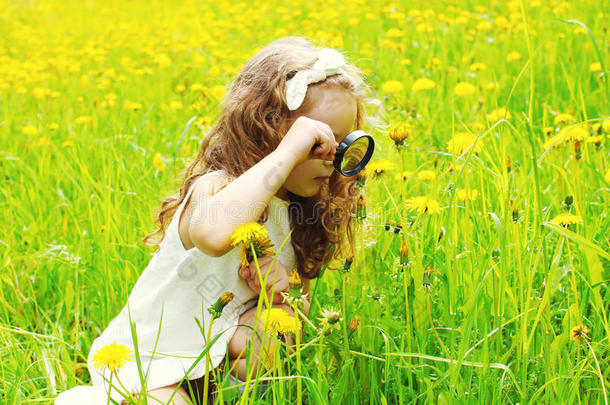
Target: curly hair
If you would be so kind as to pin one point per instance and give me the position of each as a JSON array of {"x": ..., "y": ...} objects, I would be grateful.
[{"x": 253, "y": 121}]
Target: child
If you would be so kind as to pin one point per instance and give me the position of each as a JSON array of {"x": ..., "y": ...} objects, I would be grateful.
[{"x": 255, "y": 165}]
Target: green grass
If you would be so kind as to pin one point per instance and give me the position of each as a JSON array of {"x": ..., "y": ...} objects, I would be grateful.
[{"x": 507, "y": 285}]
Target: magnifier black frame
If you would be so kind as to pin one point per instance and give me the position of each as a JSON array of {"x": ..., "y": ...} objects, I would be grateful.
[{"x": 345, "y": 144}]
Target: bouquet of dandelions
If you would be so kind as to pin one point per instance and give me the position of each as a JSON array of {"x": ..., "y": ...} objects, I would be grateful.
[{"x": 255, "y": 242}]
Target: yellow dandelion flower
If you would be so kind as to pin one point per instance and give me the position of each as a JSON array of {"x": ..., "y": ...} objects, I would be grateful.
[
  {"x": 268, "y": 354},
  {"x": 374, "y": 169},
  {"x": 548, "y": 131},
  {"x": 580, "y": 333},
  {"x": 83, "y": 119},
  {"x": 461, "y": 142},
  {"x": 563, "y": 118},
  {"x": 277, "y": 320},
  {"x": 464, "y": 89},
  {"x": 395, "y": 33},
  {"x": 423, "y": 205},
  {"x": 492, "y": 86},
  {"x": 513, "y": 56},
  {"x": 595, "y": 67},
  {"x": 454, "y": 167},
  {"x": 595, "y": 139},
  {"x": 66, "y": 144},
  {"x": 197, "y": 87},
  {"x": 567, "y": 134},
  {"x": 112, "y": 356},
  {"x": 403, "y": 175},
  {"x": 29, "y": 130},
  {"x": 392, "y": 87},
  {"x": 426, "y": 175},
  {"x": 248, "y": 232},
  {"x": 423, "y": 84},
  {"x": 477, "y": 67},
  {"x": 498, "y": 114},
  {"x": 218, "y": 91},
  {"x": 52, "y": 126},
  {"x": 467, "y": 194},
  {"x": 158, "y": 162},
  {"x": 580, "y": 31},
  {"x": 567, "y": 219},
  {"x": 176, "y": 105},
  {"x": 399, "y": 131},
  {"x": 131, "y": 105}
]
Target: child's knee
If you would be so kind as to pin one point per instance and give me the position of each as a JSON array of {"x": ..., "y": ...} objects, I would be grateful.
[{"x": 163, "y": 394}]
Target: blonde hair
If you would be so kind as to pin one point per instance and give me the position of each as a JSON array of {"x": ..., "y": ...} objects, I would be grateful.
[{"x": 254, "y": 118}]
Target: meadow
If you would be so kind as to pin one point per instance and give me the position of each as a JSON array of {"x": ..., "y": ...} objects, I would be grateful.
[{"x": 483, "y": 254}]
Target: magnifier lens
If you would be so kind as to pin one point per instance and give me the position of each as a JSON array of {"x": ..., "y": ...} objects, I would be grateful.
[{"x": 354, "y": 154}]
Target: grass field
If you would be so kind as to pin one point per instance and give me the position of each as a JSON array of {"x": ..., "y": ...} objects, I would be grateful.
[{"x": 501, "y": 293}]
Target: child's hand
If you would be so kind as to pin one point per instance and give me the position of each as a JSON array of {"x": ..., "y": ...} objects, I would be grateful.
[
  {"x": 281, "y": 277},
  {"x": 303, "y": 135}
]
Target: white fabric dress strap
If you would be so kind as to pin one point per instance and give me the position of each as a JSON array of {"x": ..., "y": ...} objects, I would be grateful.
[{"x": 173, "y": 228}]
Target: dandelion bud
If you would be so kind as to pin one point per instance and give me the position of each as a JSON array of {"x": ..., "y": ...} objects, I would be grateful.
[
  {"x": 360, "y": 180},
  {"x": 398, "y": 132},
  {"x": 495, "y": 255},
  {"x": 348, "y": 263},
  {"x": 413, "y": 110},
  {"x": 509, "y": 164},
  {"x": 515, "y": 214},
  {"x": 294, "y": 280},
  {"x": 353, "y": 324},
  {"x": 361, "y": 207},
  {"x": 569, "y": 200},
  {"x": 577, "y": 149},
  {"x": 426, "y": 280},
  {"x": 404, "y": 253},
  {"x": 216, "y": 309},
  {"x": 441, "y": 234},
  {"x": 226, "y": 297}
]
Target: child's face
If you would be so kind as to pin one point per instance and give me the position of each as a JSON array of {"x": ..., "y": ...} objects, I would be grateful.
[{"x": 336, "y": 107}]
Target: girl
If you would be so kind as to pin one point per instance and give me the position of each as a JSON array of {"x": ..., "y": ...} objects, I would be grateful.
[{"x": 255, "y": 165}]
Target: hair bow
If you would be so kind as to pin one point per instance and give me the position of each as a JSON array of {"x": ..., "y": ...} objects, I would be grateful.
[{"x": 329, "y": 63}]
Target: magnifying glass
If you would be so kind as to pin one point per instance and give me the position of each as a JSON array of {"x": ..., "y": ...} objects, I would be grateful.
[{"x": 353, "y": 153}]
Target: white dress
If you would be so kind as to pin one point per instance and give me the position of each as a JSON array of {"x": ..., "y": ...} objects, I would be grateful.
[{"x": 184, "y": 284}]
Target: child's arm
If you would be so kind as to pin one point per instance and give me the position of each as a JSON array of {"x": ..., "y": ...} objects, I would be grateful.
[{"x": 215, "y": 217}]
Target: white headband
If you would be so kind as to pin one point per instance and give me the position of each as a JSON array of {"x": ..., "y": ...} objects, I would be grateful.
[{"x": 329, "y": 63}]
